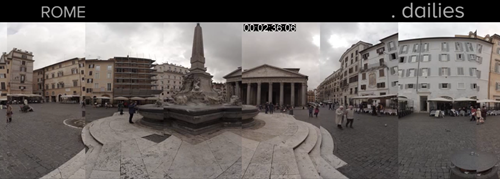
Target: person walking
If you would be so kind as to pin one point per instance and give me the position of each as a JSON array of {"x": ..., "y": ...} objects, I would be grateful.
[
  {"x": 271, "y": 108},
  {"x": 9, "y": 113},
  {"x": 131, "y": 110},
  {"x": 484, "y": 113},
  {"x": 316, "y": 111},
  {"x": 350, "y": 117},
  {"x": 83, "y": 110},
  {"x": 311, "y": 108},
  {"x": 267, "y": 107},
  {"x": 120, "y": 108},
  {"x": 338, "y": 117},
  {"x": 473, "y": 114},
  {"x": 479, "y": 117}
]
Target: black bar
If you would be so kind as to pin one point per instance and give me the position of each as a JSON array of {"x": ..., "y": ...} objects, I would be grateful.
[{"x": 299, "y": 11}]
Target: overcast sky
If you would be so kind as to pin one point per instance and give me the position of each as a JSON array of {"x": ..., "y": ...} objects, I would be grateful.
[
  {"x": 298, "y": 49},
  {"x": 3, "y": 37},
  {"x": 336, "y": 38},
  {"x": 164, "y": 42},
  {"x": 422, "y": 30}
]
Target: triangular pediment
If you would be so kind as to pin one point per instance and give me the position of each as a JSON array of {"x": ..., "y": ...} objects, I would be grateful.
[
  {"x": 270, "y": 71},
  {"x": 233, "y": 74}
]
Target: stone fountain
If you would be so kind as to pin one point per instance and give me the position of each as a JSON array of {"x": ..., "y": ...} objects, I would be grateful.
[{"x": 197, "y": 107}]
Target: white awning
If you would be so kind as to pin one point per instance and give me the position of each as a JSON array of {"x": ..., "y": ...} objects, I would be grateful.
[
  {"x": 120, "y": 98},
  {"x": 137, "y": 98},
  {"x": 440, "y": 100},
  {"x": 102, "y": 97},
  {"x": 487, "y": 101},
  {"x": 463, "y": 99}
]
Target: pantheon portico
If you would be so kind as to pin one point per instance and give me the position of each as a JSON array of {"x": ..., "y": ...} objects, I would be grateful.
[{"x": 267, "y": 83}]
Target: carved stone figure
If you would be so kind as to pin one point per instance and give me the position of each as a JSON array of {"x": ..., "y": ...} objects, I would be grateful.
[
  {"x": 234, "y": 101},
  {"x": 196, "y": 85},
  {"x": 159, "y": 103}
]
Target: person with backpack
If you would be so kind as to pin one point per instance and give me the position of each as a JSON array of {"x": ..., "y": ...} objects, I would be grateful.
[{"x": 316, "y": 111}]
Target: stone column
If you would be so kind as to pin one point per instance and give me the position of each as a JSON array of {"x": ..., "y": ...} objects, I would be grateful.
[
  {"x": 249, "y": 85},
  {"x": 238, "y": 91},
  {"x": 270, "y": 92},
  {"x": 292, "y": 97},
  {"x": 258, "y": 93},
  {"x": 304, "y": 93},
  {"x": 281, "y": 92}
]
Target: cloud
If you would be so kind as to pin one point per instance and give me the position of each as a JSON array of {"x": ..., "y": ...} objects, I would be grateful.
[
  {"x": 336, "y": 38},
  {"x": 3, "y": 37},
  {"x": 422, "y": 30},
  {"x": 298, "y": 49},
  {"x": 50, "y": 43}
]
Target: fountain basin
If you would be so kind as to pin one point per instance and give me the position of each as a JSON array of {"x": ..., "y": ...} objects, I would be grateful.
[{"x": 199, "y": 119}]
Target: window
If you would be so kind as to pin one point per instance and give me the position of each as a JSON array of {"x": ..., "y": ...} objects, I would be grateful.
[
  {"x": 394, "y": 70},
  {"x": 497, "y": 86},
  {"x": 410, "y": 73},
  {"x": 401, "y": 73},
  {"x": 381, "y": 62},
  {"x": 426, "y": 58},
  {"x": 413, "y": 59},
  {"x": 461, "y": 85},
  {"x": 96, "y": 85},
  {"x": 365, "y": 66},
  {"x": 75, "y": 83},
  {"x": 424, "y": 85},
  {"x": 426, "y": 47},
  {"x": 350, "y": 71},
  {"x": 363, "y": 87},
  {"x": 460, "y": 57},
  {"x": 356, "y": 68},
  {"x": 460, "y": 71},
  {"x": 498, "y": 50},
  {"x": 479, "y": 48},
  {"x": 472, "y": 71},
  {"x": 468, "y": 46},
  {"x": 444, "y": 57},
  {"x": 444, "y": 85},
  {"x": 473, "y": 86},
  {"x": 472, "y": 57},
  {"x": 23, "y": 62},
  {"x": 497, "y": 67},
  {"x": 23, "y": 78},
  {"x": 97, "y": 68},
  {"x": 424, "y": 72},
  {"x": 110, "y": 67},
  {"x": 404, "y": 49},
  {"x": 53, "y": 86},
  {"x": 363, "y": 76},
  {"x": 409, "y": 86},
  {"x": 444, "y": 47},
  {"x": 3, "y": 86},
  {"x": 478, "y": 73},
  {"x": 391, "y": 46},
  {"x": 90, "y": 73},
  {"x": 394, "y": 83},
  {"x": 381, "y": 85},
  {"x": 97, "y": 75},
  {"x": 109, "y": 87},
  {"x": 402, "y": 59},
  {"x": 416, "y": 48},
  {"x": 458, "y": 46},
  {"x": 109, "y": 74},
  {"x": 381, "y": 73},
  {"x": 444, "y": 71},
  {"x": 393, "y": 56}
]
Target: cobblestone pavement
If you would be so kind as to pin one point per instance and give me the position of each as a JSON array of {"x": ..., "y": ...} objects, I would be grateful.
[
  {"x": 38, "y": 142},
  {"x": 98, "y": 113},
  {"x": 426, "y": 144},
  {"x": 370, "y": 149}
]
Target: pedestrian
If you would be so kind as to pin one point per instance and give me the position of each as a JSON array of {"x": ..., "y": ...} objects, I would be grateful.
[
  {"x": 271, "y": 108},
  {"x": 350, "y": 117},
  {"x": 311, "y": 109},
  {"x": 479, "y": 117},
  {"x": 120, "y": 108},
  {"x": 131, "y": 110},
  {"x": 83, "y": 110},
  {"x": 9, "y": 113},
  {"x": 338, "y": 117},
  {"x": 473, "y": 114},
  {"x": 106, "y": 105},
  {"x": 374, "y": 110},
  {"x": 484, "y": 113},
  {"x": 316, "y": 111},
  {"x": 267, "y": 107}
]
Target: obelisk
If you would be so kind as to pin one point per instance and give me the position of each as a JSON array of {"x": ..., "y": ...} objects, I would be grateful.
[{"x": 197, "y": 55}]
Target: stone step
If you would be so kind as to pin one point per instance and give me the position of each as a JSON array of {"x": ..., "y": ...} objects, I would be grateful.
[
  {"x": 284, "y": 163},
  {"x": 316, "y": 151},
  {"x": 327, "y": 147},
  {"x": 311, "y": 140},
  {"x": 325, "y": 170},
  {"x": 299, "y": 136},
  {"x": 73, "y": 168},
  {"x": 305, "y": 165}
]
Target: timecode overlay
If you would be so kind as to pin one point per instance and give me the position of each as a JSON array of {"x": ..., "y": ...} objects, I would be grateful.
[{"x": 269, "y": 27}]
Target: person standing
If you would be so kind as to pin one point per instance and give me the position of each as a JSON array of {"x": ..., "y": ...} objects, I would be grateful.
[
  {"x": 311, "y": 108},
  {"x": 267, "y": 107},
  {"x": 316, "y": 111},
  {"x": 271, "y": 108},
  {"x": 473, "y": 114},
  {"x": 120, "y": 108},
  {"x": 484, "y": 113},
  {"x": 131, "y": 110},
  {"x": 9, "y": 113},
  {"x": 338, "y": 117},
  {"x": 374, "y": 110},
  {"x": 350, "y": 117},
  {"x": 479, "y": 117},
  {"x": 83, "y": 110}
]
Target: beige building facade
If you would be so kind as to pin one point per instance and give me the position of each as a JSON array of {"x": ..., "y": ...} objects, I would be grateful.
[
  {"x": 168, "y": 79},
  {"x": 62, "y": 81},
  {"x": 351, "y": 65},
  {"x": 266, "y": 83},
  {"x": 98, "y": 77},
  {"x": 19, "y": 68},
  {"x": 494, "y": 82},
  {"x": 3, "y": 77}
]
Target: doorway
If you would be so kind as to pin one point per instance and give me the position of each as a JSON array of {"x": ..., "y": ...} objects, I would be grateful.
[{"x": 423, "y": 103}]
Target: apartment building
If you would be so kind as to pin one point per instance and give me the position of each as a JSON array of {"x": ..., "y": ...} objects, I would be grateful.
[
  {"x": 62, "y": 81},
  {"x": 351, "y": 64},
  {"x": 310, "y": 96},
  {"x": 168, "y": 79},
  {"x": 133, "y": 77},
  {"x": 3, "y": 77},
  {"x": 19, "y": 72},
  {"x": 39, "y": 82},
  {"x": 98, "y": 78},
  {"x": 494, "y": 81},
  {"x": 446, "y": 67}
]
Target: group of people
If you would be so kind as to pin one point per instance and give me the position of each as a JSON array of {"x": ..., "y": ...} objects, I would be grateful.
[
  {"x": 478, "y": 115},
  {"x": 315, "y": 109},
  {"x": 342, "y": 114}
]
